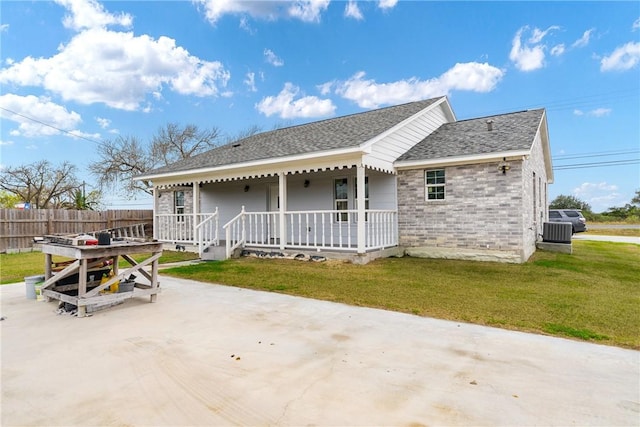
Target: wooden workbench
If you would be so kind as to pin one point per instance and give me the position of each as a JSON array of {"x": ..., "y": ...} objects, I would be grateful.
[{"x": 86, "y": 257}]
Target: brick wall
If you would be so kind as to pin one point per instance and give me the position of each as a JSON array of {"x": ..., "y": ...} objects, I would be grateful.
[
  {"x": 166, "y": 200},
  {"x": 482, "y": 210}
]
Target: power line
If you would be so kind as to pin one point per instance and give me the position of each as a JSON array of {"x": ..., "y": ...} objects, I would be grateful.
[
  {"x": 51, "y": 126},
  {"x": 598, "y": 164},
  {"x": 600, "y": 154},
  {"x": 565, "y": 104}
]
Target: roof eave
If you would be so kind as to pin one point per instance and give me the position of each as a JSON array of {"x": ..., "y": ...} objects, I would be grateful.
[
  {"x": 274, "y": 161},
  {"x": 462, "y": 160},
  {"x": 546, "y": 148}
]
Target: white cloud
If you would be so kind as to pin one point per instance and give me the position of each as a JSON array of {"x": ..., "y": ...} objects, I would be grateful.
[
  {"x": 272, "y": 58},
  {"x": 598, "y": 112},
  {"x": 471, "y": 76},
  {"x": 215, "y": 9},
  {"x": 118, "y": 69},
  {"x": 623, "y": 58},
  {"x": 305, "y": 10},
  {"x": 351, "y": 10},
  {"x": 529, "y": 56},
  {"x": 244, "y": 24},
  {"x": 250, "y": 81},
  {"x": 539, "y": 34},
  {"x": 41, "y": 110},
  {"x": 600, "y": 195},
  {"x": 584, "y": 40},
  {"x": 287, "y": 107},
  {"x": 4, "y": 28},
  {"x": 387, "y": 4},
  {"x": 91, "y": 14},
  {"x": 325, "y": 88},
  {"x": 5, "y": 143},
  {"x": 308, "y": 10},
  {"x": 557, "y": 50},
  {"x": 636, "y": 25},
  {"x": 104, "y": 123}
]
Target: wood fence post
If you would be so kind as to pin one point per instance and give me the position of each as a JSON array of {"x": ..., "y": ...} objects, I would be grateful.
[{"x": 49, "y": 221}]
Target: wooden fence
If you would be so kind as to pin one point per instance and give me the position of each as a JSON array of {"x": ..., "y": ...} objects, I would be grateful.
[{"x": 19, "y": 227}]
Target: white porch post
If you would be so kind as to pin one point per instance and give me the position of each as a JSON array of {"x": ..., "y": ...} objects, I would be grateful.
[
  {"x": 282, "y": 194},
  {"x": 361, "y": 210},
  {"x": 196, "y": 208},
  {"x": 156, "y": 225}
]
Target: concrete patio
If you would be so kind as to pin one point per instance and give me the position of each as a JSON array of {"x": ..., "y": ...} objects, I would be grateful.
[{"x": 214, "y": 355}]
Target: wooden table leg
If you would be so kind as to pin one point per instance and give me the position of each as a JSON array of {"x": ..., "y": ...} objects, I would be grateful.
[
  {"x": 48, "y": 260},
  {"x": 154, "y": 278},
  {"x": 82, "y": 287}
]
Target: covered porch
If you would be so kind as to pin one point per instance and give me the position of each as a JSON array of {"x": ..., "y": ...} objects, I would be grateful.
[{"x": 349, "y": 210}]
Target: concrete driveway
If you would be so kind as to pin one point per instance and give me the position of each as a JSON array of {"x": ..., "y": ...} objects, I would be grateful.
[{"x": 214, "y": 355}]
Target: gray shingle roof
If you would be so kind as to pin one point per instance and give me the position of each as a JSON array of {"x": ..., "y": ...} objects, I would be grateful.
[
  {"x": 511, "y": 132},
  {"x": 341, "y": 132}
]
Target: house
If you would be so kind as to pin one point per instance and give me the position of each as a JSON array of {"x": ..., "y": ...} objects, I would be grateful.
[{"x": 407, "y": 179}]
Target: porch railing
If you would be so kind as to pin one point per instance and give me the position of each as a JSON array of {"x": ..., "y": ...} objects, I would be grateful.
[
  {"x": 199, "y": 229},
  {"x": 207, "y": 231},
  {"x": 235, "y": 233},
  {"x": 317, "y": 230}
]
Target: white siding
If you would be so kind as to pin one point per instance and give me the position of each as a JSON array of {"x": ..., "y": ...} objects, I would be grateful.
[{"x": 388, "y": 149}]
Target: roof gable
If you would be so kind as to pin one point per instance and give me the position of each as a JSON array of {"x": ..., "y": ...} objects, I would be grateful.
[{"x": 510, "y": 132}]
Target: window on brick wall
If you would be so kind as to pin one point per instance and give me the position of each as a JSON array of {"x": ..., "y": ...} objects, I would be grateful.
[
  {"x": 435, "y": 183},
  {"x": 178, "y": 204}
]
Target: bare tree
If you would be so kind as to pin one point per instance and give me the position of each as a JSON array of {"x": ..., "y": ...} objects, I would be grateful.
[
  {"x": 244, "y": 133},
  {"x": 41, "y": 184},
  {"x": 126, "y": 157},
  {"x": 120, "y": 160}
]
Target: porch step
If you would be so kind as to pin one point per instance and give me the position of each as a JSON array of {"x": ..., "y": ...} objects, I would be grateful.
[{"x": 215, "y": 253}]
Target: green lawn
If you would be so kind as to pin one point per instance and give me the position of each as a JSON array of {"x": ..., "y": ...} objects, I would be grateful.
[
  {"x": 15, "y": 267},
  {"x": 593, "y": 294}
]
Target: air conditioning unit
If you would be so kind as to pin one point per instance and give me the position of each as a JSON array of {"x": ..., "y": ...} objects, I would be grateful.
[{"x": 556, "y": 232}]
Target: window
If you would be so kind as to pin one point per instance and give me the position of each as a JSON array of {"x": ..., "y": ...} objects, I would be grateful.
[
  {"x": 572, "y": 214},
  {"x": 434, "y": 180},
  {"x": 554, "y": 215},
  {"x": 341, "y": 198},
  {"x": 178, "y": 204}
]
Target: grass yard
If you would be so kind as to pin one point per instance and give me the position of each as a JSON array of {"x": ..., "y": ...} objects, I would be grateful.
[
  {"x": 15, "y": 267},
  {"x": 592, "y": 295}
]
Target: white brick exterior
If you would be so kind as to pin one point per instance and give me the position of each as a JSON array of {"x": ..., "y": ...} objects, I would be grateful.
[{"x": 485, "y": 215}]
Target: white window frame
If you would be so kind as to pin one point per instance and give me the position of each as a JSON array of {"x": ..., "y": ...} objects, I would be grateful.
[
  {"x": 177, "y": 207},
  {"x": 341, "y": 204},
  {"x": 435, "y": 184}
]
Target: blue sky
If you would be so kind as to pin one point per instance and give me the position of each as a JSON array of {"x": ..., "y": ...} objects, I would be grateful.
[{"x": 93, "y": 71}]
